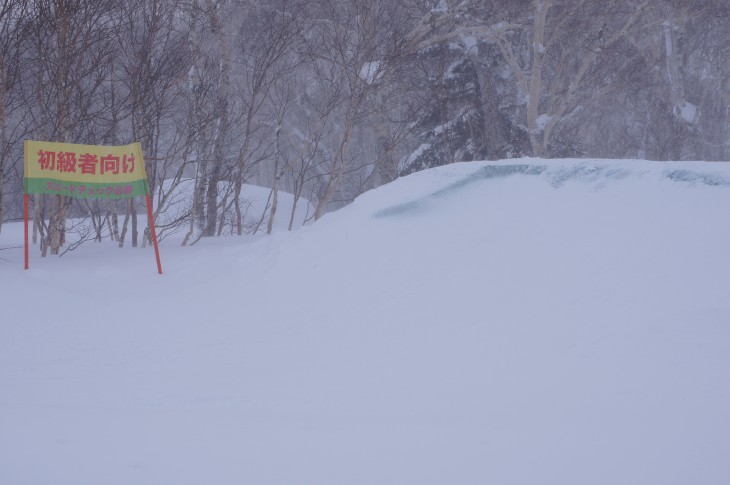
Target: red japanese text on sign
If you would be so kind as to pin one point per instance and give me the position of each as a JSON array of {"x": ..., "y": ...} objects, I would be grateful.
[
  {"x": 109, "y": 164},
  {"x": 47, "y": 160},
  {"x": 88, "y": 163},
  {"x": 67, "y": 162}
]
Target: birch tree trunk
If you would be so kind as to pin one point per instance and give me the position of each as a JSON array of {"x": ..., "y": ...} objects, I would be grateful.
[
  {"x": 222, "y": 122},
  {"x": 3, "y": 136},
  {"x": 62, "y": 11},
  {"x": 539, "y": 148},
  {"x": 277, "y": 180}
]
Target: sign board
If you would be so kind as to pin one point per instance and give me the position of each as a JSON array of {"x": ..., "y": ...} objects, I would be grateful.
[{"x": 86, "y": 172}]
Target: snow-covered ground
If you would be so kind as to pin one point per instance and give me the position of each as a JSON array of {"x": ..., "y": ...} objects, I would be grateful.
[{"x": 525, "y": 322}]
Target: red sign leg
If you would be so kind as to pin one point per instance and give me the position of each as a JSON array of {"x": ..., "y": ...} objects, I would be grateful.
[{"x": 25, "y": 209}]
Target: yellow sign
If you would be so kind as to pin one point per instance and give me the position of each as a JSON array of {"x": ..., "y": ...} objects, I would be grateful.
[{"x": 85, "y": 171}]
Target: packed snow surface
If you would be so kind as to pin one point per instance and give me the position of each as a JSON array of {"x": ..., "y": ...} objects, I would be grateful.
[{"x": 523, "y": 322}]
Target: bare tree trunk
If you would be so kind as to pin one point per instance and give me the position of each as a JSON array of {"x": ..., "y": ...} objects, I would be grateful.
[
  {"x": 97, "y": 221},
  {"x": 263, "y": 214},
  {"x": 115, "y": 223},
  {"x": 57, "y": 227},
  {"x": 339, "y": 165},
  {"x": 240, "y": 166},
  {"x": 237, "y": 207},
  {"x": 4, "y": 137},
  {"x": 297, "y": 195},
  {"x": 38, "y": 202},
  {"x": 274, "y": 204},
  {"x": 222, "y": 215},
  {"x": 108, "y": 218},
  {"x": 538, "y": 57},
  {"x": 222, "y": 117},
  {"x": 123, "y": 235},
  {"x": 275, "y": 189},
  {"x": 62, "y": 13},
  {"x": 197, "y": 211},
  {"x": 200, "y": 190},
  {"x": 189, "y": 234},
  {"x": 12, "y": 34},
  {"x": 135, "y": 230}
]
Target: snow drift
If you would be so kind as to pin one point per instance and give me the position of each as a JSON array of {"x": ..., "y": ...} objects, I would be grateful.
[{"x": 522, "y": 322}]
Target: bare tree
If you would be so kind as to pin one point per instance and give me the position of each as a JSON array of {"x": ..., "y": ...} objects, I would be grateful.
[
  {"x": 686, "y": 114},
  {"x": 266, "y": 49},
  {"x": 71, "y": 46},
  {"x": 550, "y": 47},
  {"x": 153, "y": 62},
  {"x": 13, "y": 30},
  {"x": 220, "y": 116},
  {"x": 353, "y": 47}
]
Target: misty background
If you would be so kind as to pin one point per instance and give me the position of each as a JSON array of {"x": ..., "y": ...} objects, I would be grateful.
[{"x": 326, "y": 99}]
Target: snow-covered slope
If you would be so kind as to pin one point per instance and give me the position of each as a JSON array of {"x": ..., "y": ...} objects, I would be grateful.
[{"x": 528, "y": 322}]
